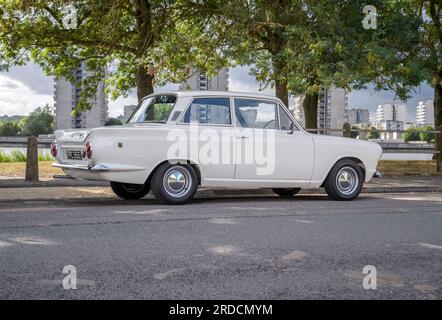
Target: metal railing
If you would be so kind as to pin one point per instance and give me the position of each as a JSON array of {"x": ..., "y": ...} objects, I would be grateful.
[{"x": 388, "y": 146}]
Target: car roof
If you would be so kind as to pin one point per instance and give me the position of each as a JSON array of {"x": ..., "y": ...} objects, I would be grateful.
[{"x": 199, "y": 93}]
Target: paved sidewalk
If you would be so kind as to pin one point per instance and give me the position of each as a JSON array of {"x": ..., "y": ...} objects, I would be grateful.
[{"x": 59, "y": 189}]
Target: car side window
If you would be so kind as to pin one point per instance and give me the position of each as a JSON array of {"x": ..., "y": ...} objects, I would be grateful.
[
  {"x": 285, "y": 123},
  {"x": 253, "y": 113},
  {"x": 213, "y": 111}
]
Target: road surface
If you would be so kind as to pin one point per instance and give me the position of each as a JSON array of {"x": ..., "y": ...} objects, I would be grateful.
[{"x": 307, "y": 247}]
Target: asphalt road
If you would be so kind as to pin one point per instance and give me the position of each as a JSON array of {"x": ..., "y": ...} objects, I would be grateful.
[{"x": 263, "y": 248}]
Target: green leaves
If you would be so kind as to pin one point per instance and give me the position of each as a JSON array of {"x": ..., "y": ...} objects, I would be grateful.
[{"x": 40, "y": 121}]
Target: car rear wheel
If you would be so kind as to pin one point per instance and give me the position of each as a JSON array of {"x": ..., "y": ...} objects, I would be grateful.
[
  {"x": 130, "y": 191},
  {"x": 283, "y": 192},
  {"x": 174, "y": 183},
  {"x": 345, "y": 181}
]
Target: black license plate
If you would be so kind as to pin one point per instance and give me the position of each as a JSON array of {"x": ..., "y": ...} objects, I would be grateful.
[{"x": 74, "y": 155}]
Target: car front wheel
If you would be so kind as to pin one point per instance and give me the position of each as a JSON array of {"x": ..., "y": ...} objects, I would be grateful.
[
  {"x": 283, "y": 192},
  {"x": 174, "y": 183},
  {"x": 129, "y": 191},
  {"x": 345, "y": 181}
]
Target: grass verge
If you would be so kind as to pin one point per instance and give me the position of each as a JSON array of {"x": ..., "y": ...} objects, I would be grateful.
[{"x": 17, "y": 169}]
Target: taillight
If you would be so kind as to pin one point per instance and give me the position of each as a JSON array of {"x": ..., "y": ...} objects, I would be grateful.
[
  {"x": 54, "y": 150},
  {"x": 88, "y": 150}
]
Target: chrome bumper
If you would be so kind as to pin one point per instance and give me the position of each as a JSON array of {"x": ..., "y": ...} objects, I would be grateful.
[
  {"x": 377, "y": 174},
  {"x": 98, "y": 167}
]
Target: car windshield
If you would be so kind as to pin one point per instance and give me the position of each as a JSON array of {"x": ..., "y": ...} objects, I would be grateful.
[{"x": 153, "y": 109}]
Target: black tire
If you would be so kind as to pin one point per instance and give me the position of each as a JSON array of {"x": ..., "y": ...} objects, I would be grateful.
[
  {"x": 174, "y": 183},
  {"x": 130, "y": 191},
  {"x": 345, "y": 181},
  {"x": 283, "y": 192}
]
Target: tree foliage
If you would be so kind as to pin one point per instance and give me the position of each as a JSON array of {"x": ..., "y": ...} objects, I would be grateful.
[
  {"x": 39, "y": 121},
  {"x": 411, "y": 135},
  {"x": 373, "y": 134},
  {"x": 9, "y": 128},
  {"x": 143, "y": 42},
  {"x": 113, "y": 122}
]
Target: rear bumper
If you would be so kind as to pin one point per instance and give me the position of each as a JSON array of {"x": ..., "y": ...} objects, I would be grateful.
[
  {"x": 98, "y": 167},
  {"x": 105, "y": 171}
]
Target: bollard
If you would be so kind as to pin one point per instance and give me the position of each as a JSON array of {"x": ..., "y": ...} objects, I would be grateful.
[
  {"x": 347, "y": 130},
  {"x": 32, "y": 160},
  {"x": 438, "y": 149}
]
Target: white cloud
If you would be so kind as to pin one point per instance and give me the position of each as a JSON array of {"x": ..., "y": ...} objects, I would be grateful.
[
  {"x": 241, "y": 80},
  {"x": 16, "y": 98}
]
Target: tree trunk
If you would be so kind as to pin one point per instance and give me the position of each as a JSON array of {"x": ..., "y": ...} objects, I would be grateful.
[
  {"x": 310, "y": 106},
  {"x": 282, "y": 92},
  {"x": 438, "y": 124},
  {"x": 143, "y": 15},
  {"x": 144, "y": 82}
]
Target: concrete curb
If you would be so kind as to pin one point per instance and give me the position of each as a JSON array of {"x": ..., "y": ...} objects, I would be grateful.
[
  {"x": 268, "y": 192},
  {"x": 15, "y": 183}
]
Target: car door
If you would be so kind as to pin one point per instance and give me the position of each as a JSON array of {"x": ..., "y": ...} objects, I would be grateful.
[
  {"x": 210, "y": 137},
  {"x": 269, "y": 145}
]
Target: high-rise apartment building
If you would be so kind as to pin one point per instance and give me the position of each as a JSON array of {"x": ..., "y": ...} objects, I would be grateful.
[
  {"x": 66, "y": 96},
  {"x": 332, "y": 109},
  {"x": 200, "y": 81},
  {"x": 391, "y": 112},
  {"x": 358, "y": 116},
  {"x": 425, "y": 113}
]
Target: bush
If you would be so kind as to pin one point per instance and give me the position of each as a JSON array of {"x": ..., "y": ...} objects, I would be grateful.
[
  {"x": 9, "y": 128},
  {"x": 113, "y": 122},
  {"x": 373, "y": 134},
  {"x": 39, "y": 121},
  {"x": 418, "y": 135},
  {"x": 411, "y": 135},
  {"x": 425, "y": 136}
]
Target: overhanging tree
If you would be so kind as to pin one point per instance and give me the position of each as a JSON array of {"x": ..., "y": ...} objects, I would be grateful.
[{"x": 135, "y": 38}]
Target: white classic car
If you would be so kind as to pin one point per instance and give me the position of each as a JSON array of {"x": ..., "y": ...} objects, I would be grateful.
[{"x": 175, "y": 142}]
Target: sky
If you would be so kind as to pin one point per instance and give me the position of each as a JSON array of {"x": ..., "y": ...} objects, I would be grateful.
[{"x": 24, "y": 88}]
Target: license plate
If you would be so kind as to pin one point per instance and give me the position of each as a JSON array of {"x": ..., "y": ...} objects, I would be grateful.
[{"x": 74, "y": 155}]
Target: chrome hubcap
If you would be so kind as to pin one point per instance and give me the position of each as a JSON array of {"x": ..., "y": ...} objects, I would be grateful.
[
  {"x": 176, "y": 181},
  {"x": 347, "y": 180}
]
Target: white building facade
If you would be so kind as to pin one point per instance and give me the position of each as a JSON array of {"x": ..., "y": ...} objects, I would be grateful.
[
  {"x": 391, "y": 112},
  {"x": 425, "y": 113},
  {"x": 392, "y": 126},
  {"x": 66, "y": 96},
  {"x": 200, "y": 81},
  {"x": 358, "y": 116},
  {"x": 332, "y": 109}
]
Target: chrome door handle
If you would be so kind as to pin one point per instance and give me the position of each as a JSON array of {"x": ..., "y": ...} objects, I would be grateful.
[{"x": 242, "y": 137}]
